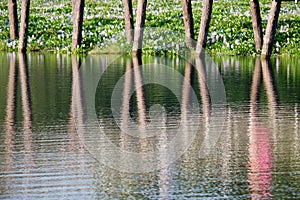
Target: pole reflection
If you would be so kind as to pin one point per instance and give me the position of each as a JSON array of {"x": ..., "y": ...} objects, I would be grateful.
[
  {"x": 9, "y": 140},
  {"x": 186, "y": 92},
  {"x": 140, "y": 94},
  {"x": 270, "y": 86},
  {"x": 188, "y": 77},
  {"x": 76, "y": 144},
  {"x": 27, "y": 117},
  {"x": 206, "y": 103},
  {"x": 134, "y": 81},
  {"x": 128, "y": 81},
  {"x": 260, "y": 140},
  {"x": 190, "y": 70},
  {"x": 202, "y": 81},
  {"x": 26, "y": 105}
]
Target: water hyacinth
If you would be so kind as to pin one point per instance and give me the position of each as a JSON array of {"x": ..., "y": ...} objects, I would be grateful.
[
  {"x": 230, "y": 29},
  {"x": 237, "y": 42}
]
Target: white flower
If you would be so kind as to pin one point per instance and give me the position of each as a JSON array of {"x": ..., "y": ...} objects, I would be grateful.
[
  {"x": 213, "y": 34},
  {"x": 237, "y": 42},
  {"x": 113, "y": 40},
  {"x": 60, "y": 32}
]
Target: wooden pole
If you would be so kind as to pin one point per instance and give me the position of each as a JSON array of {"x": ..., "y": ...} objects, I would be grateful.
[
  {"x": 271, "y": 28},
  {"x": 128, "y": 16},
  {"x": 13, "y": 19},
  {"x": 204, "y": 26},
  {"x": 188, "y": 22},
  {"x": 256, "y": 24},
  {"x": 78, "y": 8},
  {"x": 24, "y": 25},
  {"x": 139, "y": 30}
]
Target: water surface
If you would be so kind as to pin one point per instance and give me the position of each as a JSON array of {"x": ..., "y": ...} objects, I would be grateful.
[{"x": 43, "y": 155}]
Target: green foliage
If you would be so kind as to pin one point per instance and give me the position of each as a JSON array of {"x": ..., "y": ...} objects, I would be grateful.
[{"x": 230, "y": 32}]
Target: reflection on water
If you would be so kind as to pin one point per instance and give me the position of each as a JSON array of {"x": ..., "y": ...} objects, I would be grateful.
[
  {"x": 260, "y": 137},
  {"x": 76, "y": 107},
  {"x": 9, "y": 141},
  {"x": 42, "y": 156}
]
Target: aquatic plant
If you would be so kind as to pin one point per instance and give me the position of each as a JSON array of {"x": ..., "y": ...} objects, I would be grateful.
[{"x": 230, "y": 30}]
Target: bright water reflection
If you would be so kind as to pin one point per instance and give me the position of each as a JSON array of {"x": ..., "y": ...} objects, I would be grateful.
[{"x": 257, "y": 155}]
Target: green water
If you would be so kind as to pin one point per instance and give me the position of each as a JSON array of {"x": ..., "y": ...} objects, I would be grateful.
[{"x": 44, "y": 106}]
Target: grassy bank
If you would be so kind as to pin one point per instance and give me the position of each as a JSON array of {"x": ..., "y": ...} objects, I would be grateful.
[{"x": 230, "y": 31}]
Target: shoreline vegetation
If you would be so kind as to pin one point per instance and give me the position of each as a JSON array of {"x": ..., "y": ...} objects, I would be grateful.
[{"x": 230, "y": 32}]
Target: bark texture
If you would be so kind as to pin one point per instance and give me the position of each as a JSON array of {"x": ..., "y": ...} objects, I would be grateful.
[
  {"x": 13, "y": 19},
  {"x": 204, "y": 26},
  {"x": 78, "y": 9},
  {"x": 24, "y": 25},
  {"x": 140, "y": 24},
  {"x": 128, "y": 16},
  {"x": 188, "y": 22},
  {"x": 256, "y": 24},
  {"x": 271, "y": 28}
]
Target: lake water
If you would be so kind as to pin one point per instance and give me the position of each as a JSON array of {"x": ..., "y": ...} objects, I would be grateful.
[{"x": 219, "y": 127}]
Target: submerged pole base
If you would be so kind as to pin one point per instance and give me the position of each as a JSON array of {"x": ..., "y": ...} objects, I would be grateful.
[{"x": 137, "y": 52}]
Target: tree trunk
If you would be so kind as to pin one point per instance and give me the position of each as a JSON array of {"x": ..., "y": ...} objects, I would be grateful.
[
  {"x": 78, "y": 8},
  {"x": 140, "y": 23},
  {"x": 271, "y": 28},
  {"x": 128, "y": 16},
  {"x": 13, "y": 19},
  {"x": 204, "y": 26},
  {"x": 24, "y": 25},
  {"x": 188, "y": 22},
  {"x": 256, "y": 24}
]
